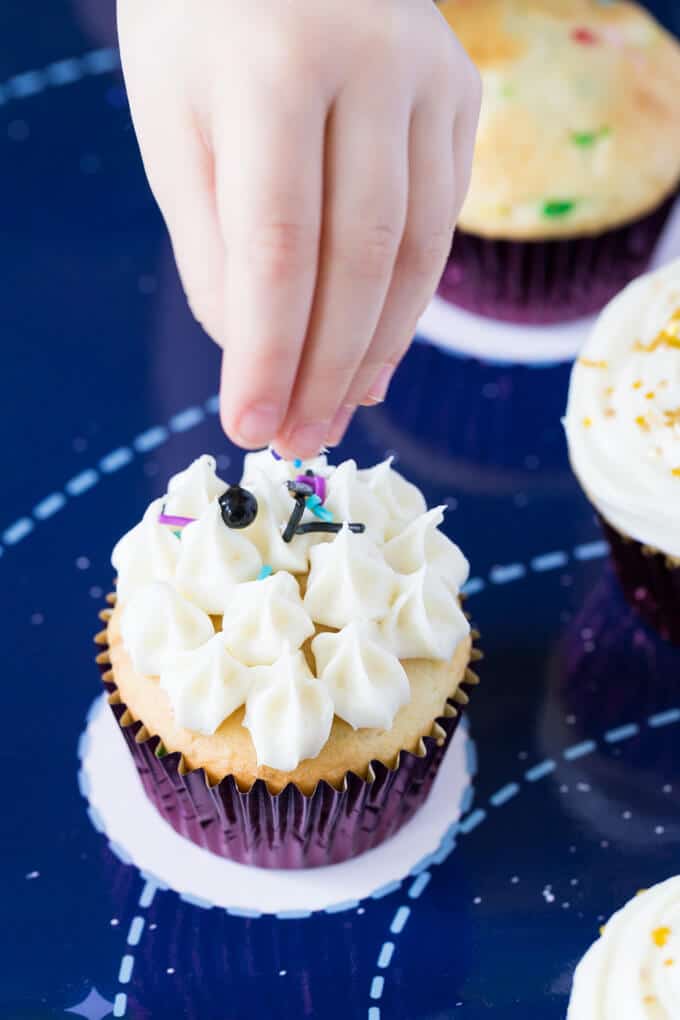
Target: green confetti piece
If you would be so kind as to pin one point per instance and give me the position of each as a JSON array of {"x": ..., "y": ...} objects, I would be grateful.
[
  {"x": 586, "y": 139},
  {"x": 161, "y": 750},
  {"x": 556, "y": 208}
]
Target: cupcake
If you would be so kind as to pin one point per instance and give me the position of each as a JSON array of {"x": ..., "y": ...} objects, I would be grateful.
[
  {"x": 623, "y": 431},
  {"x": 577, "y": 156},
  {"x": 286, "y": 657},
  {"x": 633, "y": 970}
]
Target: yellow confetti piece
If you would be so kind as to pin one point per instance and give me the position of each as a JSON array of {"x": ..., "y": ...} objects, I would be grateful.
[
  {"x": 637, "y": 385},
  {"x": 660, "y": 936},
  {"x": 589, "y": 363},
  {"x": 642, "y": 422},
  {"x": 676, "y": 472},
  {"x": 668, "y": 337},
  {"x": 587, "y": 422},
  {"x": 650, "y": 395},
  {"x": 669, "y": 963}
]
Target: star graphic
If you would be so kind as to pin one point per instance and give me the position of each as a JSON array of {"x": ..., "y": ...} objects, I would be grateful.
[{"x": 93, "y": 1007}]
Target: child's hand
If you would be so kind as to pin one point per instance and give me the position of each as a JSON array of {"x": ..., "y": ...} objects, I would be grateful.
[{"x": 310, "y": 158}]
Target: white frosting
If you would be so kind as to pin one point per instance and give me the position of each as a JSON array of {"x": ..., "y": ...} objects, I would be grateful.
[
  {"x": 157, "y": 622},
  {"x": 425, "y": 620},
  {"x": 147, "y": 552},
  {"x": 401, "y": 501},
  {"x": 288, "y": 712},
  {"x": 263, "y": 617},
  {"x": 349, "y": 580},
  {"x": 204, "y": 685},
  {"x": 213, "y": 558},
  {"x": 422, "y": 543},
  {"x": 351, "y": 499},
  {"x": 626, "y": 974},
  {"x": 190, "y": 491},
  {"x": 390, "y": 593},
  {"x": 623, "y": 416},
  {"x": 367, "y": 683}
]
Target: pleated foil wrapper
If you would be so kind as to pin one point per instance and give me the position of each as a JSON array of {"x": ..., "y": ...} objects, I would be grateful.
[
  {"x": 544, "y": 282},
  {"x": 650, "y": 580},
  {"x": 289, "y": 829}
]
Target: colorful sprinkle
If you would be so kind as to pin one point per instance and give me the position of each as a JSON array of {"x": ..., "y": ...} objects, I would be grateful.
[
  {"x": 314, "y": 504},
  {"x": 669, "y": 963},
  {"x": 642, "y": 422},
  {"x": 587, "y": 422},
  {"x": 676, "y": 472},
  {"x": 161, "y": 751},
  {"x": 275, "y": 455},
  {"x": 317, "y": 483},
  {"x": 265, "y": 572},
  {"x": 586, "y": 139},
  {"x": 555, "y": 208},
  {"x": 585, "y": 36},
  {"x": 660, "y": 936},
  {"x": 175, "y": 522},
  {"x": 297, "y": 463},
  {"x": 589, "y": 363},
  {"x": 637, "y": 385}
]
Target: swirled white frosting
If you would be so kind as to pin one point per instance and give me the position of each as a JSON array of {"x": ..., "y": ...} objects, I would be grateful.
[
  {"x": 204, "y": 685},
  {"x": 192, "y": 490},
  {"x": 633, "y": 971},
  {"x": 262, "y": 618},
  {"x": 424, "y": 621},
  {"x": 349, "y": 580},
  {"x": 367, "y": 683},
  {"x": 147, "y": 552},
  {"x": 288, "y": 712},
  {"x": 157, "y": 622},
  {"x": 212, "y": 559},
  {"x": 391, "y": 593},
  {"x": 401, "y": 500},
  {"x": 420, "y": 543},
  {"x": 351, "y": 499},
  {"x": 623, "y": 415}
]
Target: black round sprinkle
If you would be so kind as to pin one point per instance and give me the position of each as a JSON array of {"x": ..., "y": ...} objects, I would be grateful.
[{"x": 239, "y": 507}]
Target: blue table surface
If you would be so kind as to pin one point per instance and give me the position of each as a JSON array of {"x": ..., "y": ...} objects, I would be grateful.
[{"x": 98, "y": 349}]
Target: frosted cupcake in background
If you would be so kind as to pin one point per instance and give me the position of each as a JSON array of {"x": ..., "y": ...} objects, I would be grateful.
[
  {"x": 577, "y": 156},
  {"x": 633, "y": 971},
  {"x": 623, "y": 430},
  {"x": 286, "y": 657}
]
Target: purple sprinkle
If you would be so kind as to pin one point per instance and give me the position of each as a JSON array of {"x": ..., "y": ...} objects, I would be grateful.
[
  {"x": 275, "y": 455},
  {"x": 316, "y": 482},
  {"x": 175, "y": 522}
]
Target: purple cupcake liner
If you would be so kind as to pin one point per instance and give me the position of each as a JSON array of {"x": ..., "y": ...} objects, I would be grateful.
[
  {"x": 288, "y": 829},
  {"x": 650, "y": 581},
  {"x": 547, "y": 282}
]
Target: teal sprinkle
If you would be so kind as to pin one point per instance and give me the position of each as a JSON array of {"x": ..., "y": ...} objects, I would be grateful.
[
  {"x": 177, "y": 534},
  {"x": 313, "y": 503},
  {"x": 265, "y": 572},
  {"x": 297, "y": 463},
  {"x": 558, "y": 207}
]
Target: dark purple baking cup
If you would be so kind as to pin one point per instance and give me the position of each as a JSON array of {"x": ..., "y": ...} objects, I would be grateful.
[
  {"x": 546, "y": 282},
  {"x": 288, "y": 829},
  {"x": 650, "y": 581}
]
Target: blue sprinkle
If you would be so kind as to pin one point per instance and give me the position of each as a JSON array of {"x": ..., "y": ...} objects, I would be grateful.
[
  {"x": 591, "y": 550},
  {"x": 135, "y": 932},
  {"x": 505, "y": 574},
  {"x": 297, "y": 463},
  {"x": 265, "y": 572},
  {"x": 374, "y": 1013},
  {"x": 472, "y": 821},
  {"x": 186, "y": 420},
  {"x": 115, "y": 460},
  {"x": 63, "y": 72},
  {"x": 126, "y": 965},
  {"x": 549, "y": 561},
  {"x": 400, "y": 919},
  {"x": 82, "y": 482},
  {"x": 418, "y": 886},
  {"x": 472, "y": 586},
  {"x": 150, "y": 439},
  {"x": 385, "y": 955}
]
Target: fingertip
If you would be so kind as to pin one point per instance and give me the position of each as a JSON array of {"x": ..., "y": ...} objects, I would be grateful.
[
  {"x": 340, "y": 424},
  {"x": 303, "y": 441}
]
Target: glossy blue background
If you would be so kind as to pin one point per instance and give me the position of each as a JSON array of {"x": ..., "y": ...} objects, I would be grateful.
[{"x": 98, "y": 348}]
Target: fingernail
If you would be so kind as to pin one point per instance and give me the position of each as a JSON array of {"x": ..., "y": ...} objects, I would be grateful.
[
  {"x": 339, "y": 424},
  {"x": 378, "y": 390},
  {"x": 258, "y": 424},
  {"x": 308, "y": 439}
]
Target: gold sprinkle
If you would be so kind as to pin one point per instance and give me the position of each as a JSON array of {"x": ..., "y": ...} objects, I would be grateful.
[
  {"x": 650, "y": 395},
  {"x": 587, "y": 422},
  {"x": 660, "y": 936},
  {"x": 608, "y": 392},
  {"x": 610, "y": 413},
  {"x": 649, "y": 999},
  {"x": 589, "y": 363},
  {"x": 668, "y": 337},
  {"x": 670, "y": 962},
  {"x": 672, "y": 417},
  {"x": 637, "y": 384},
  {"x": 602, "y": 928},
  {"x": 642, "y": 422},
  {"x": 676, "y": 472}
]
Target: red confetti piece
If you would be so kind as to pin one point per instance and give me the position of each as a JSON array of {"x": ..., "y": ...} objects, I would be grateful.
[{"x": 585, "y": 37}]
